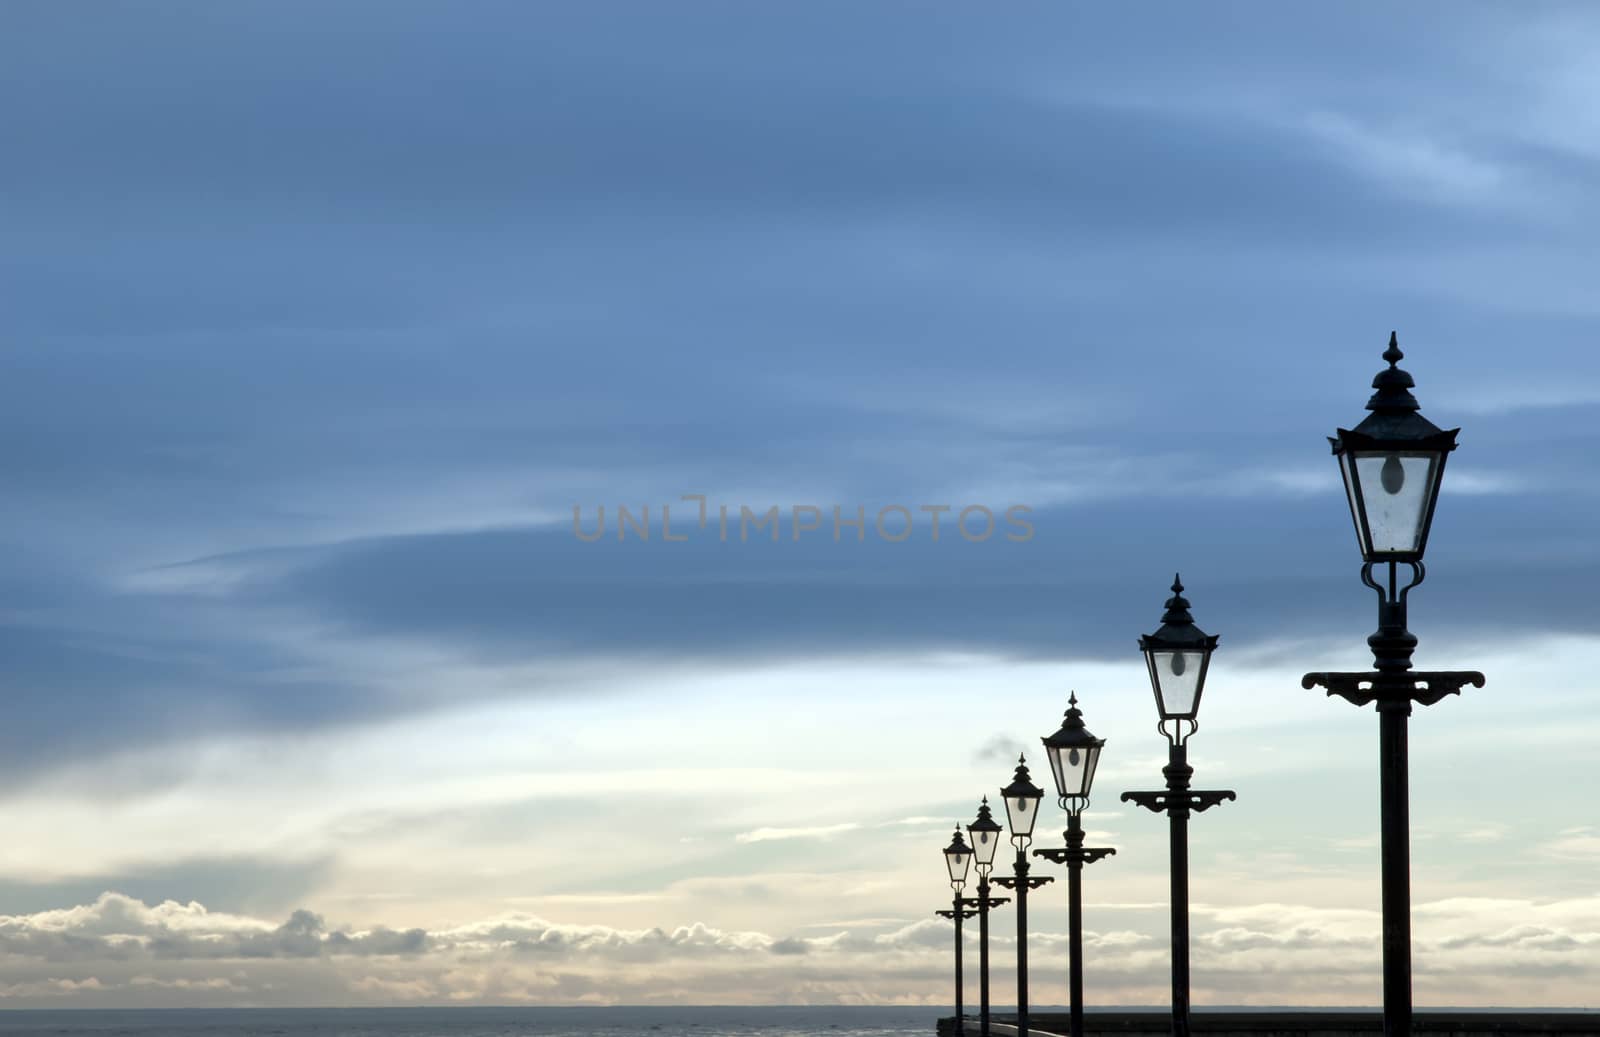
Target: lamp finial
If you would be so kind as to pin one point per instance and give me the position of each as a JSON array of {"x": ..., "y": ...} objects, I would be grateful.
[
  {"x": 1393, "y": 384},
  {"x": 1177, "y": 605}
]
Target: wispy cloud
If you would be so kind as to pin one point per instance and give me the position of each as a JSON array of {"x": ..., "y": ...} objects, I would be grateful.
[
  {"x": 1408, "y": 159},
  {"x": 1577, "y": 844},
  {"x": 761, "y": 835}
]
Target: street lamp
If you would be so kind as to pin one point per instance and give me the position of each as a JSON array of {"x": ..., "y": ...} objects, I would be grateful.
[
  {"x": 1178, "y": 656},
  {"x": 1074, "y": 754},
  {"x": 985, "y": 836},
  {"x": 1022, "y": 798},
  {"x": 957, "y": 858},
  {"x": 1393, "y": 463}
]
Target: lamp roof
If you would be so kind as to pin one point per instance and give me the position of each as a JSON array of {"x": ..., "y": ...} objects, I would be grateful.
[
  {"x": 957, "y": 844},
  {"x": 1395, "y": 412},
  {"x": 1178, "y": 631},
  {"x": 985, "y": 821},
  {"x": 1072, "y": 734},
  {"x": 1021, "y": 787}
]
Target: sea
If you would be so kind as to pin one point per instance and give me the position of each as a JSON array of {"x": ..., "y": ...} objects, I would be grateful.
[{"x": 474, "y": 1022}]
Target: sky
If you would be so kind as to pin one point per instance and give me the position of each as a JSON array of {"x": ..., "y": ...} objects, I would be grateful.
[{"x": 329, "y": 330}]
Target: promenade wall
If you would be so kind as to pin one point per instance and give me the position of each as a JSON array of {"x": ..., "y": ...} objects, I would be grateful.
[{"x": 1297, "y": 1024}]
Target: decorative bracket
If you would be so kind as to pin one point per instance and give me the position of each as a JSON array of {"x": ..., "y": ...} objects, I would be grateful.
[
  {"x": 1424, "y": 687},
  {"x": 950, "y": 913},
  {"x": 1081, "y": 855},
  {"x": 977, "y": 902},
  {"x": 1167, "y": 800},
  {"x": 1033, "y": 881}
]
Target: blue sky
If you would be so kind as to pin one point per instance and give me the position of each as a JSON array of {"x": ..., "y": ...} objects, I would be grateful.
[{"x": 322, "y": 321}]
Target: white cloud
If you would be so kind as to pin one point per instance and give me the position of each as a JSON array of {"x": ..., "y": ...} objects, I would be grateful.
[
  {"x": 1489, "y": 833},
  {"x": 119, "y": 948},
  {"x": 762, "y": 835},
  {"x": 1575, "y": 845}
]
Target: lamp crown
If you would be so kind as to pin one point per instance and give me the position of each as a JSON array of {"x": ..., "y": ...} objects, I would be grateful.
[
  {"x": 985, "y": 820},
  {"x": 1396, "y": 417},
  {"x": 1022, "y": 785},
  {"x": 1393, "y": 385},
  {"x": 1177, "y": 605},
  {"x": 1178, "y": 628},
  {"x": 957, "y": 844},
  {"x": 1072, "y": 734}
]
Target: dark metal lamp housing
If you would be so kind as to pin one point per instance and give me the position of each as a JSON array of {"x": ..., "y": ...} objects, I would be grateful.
[
  {"x": 985, "y": 836},
  {"x": 1022, "y": 798},
  {"x": 957, "y": 858},
  {"x": 1393, "y": 463},
  {"x": 1074, "y": 754},
  {"x": 1178, "y": 656}
]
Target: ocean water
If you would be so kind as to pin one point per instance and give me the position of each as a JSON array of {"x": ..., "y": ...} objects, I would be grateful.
[{"x": 475, "y": 1022}]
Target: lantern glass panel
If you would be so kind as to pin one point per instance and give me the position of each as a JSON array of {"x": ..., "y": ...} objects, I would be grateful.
[
  {"x": 1021, "y": 812},
  {"x": 1352, "y": 495},
  {"x": 1395, "y": 497},
  {"x": 1074, "y": 768},
  {"x": 958, "y": 863},
  {"x": 1176, "y": 676},
  {"x": 984, "y": 844}
]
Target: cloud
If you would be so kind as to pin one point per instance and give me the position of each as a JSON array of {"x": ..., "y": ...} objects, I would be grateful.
[
  {"x": 762, "y": 835},
  {"x": 1408, "y": 161},
  {"x": 237, "y": 536},
  {"x": 116, "y": 947},
  {"x": 1489, "y": 833},
  {"x": 1579, "y": 844},
  {"x": 118, "y": 927},
  {"x": 997, "y": 749}
]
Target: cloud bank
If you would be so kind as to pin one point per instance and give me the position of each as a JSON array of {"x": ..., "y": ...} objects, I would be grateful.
[{"x": 121, "y": 950}]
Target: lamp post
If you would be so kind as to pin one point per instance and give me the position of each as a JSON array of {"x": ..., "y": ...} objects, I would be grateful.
[
  {"x": 1178, "y": 656},
  {"x": 985, "y": 836},
  {"x": 1393, "y": 463},
  {"x": 957, "y": 857},
  {"x": 1074, "y": 754},
  {"x": 1022, "y": 798}
]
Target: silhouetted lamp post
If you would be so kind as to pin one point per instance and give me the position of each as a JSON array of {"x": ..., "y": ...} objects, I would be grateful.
[
  {"x": 1074, "y": 754},
  {"x": 1022, "y": 798},
  {"x": 1393, "y": 463},
  {"x": 957, "y": 858},
  {"x": 1178, "y": 656},
  {"x": 985, "y": 836}
]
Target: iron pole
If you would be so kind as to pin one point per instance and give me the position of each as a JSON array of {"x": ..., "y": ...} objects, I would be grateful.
[
  {"x": 957, "y": 913},
  {"x": 983, "y": 954},
  {"x": 1178, "y": 773},
  {"x": 1022, "y": 943},
  {"x": 1075, "y": 922},
  {"x": 1396, "y": 833},
  {"x": 1392, "y": 647}
]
